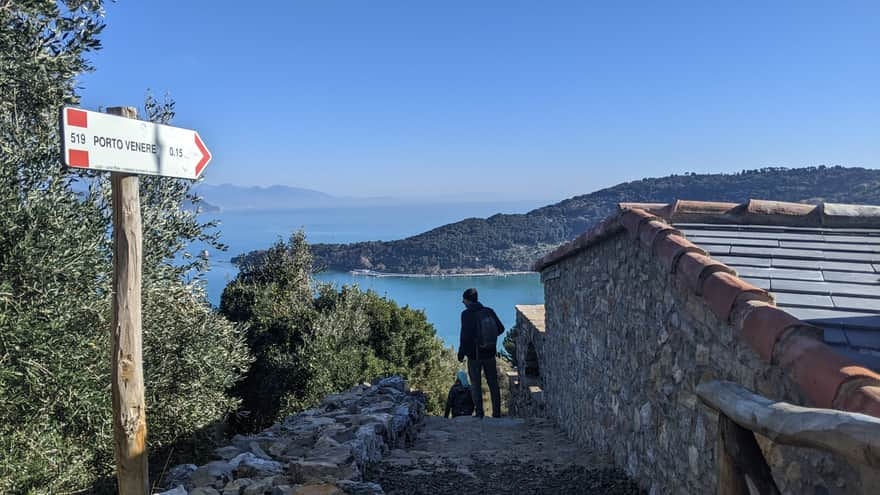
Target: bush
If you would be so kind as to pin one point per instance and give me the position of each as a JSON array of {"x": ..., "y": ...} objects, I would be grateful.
[{"x": 314, "y": 339}]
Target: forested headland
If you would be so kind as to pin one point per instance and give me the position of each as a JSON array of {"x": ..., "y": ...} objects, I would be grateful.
[{"x": 507, "y": 242}]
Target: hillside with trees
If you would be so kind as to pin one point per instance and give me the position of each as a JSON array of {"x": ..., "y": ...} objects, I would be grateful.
[{"x": 506, "y": 242}]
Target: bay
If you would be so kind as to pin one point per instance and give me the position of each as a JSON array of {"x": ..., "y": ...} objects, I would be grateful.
[{"x": 440, "y": 297}]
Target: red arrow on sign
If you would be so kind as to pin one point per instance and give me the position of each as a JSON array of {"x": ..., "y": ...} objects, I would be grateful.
[{"x": 206, "y": 155}]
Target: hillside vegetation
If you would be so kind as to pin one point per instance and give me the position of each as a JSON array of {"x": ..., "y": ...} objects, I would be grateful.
[
  {"x": 55, "y": 271},
  {"x": 275, "y": 349},
  {"x": 308, "y": 345},
  {"x": 513, "y": 242}
]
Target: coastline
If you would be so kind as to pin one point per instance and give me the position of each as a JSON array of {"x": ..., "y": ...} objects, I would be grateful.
[{"x": 372, "y": 273}]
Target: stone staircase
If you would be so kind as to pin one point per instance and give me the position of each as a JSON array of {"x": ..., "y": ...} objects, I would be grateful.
[
  {"x": 376, "y": 440},
  {"x": 494, "y": 456}
]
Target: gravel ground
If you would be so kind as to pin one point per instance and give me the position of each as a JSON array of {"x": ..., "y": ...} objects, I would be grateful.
[
  {"x": 495, "y": 456},
  {"x": 509, "y": 478}
]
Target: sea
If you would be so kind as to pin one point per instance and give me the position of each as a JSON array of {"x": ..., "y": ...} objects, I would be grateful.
[{"x": 439, "y": 297}]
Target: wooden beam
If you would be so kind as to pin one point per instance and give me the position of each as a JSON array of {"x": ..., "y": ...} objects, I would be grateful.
[
  {"x": 129, "y": 411},
  {"x": 851, "y": 435},
  {"x": 742, "y": 469}
]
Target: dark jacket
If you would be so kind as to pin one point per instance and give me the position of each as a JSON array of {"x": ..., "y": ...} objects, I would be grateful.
[
  {"x": 459, "y": 401},
  {"x": 470, "y": 327}
]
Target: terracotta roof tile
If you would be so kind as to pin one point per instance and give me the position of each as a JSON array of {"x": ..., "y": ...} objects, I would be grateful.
[
  {"x": 650, "y": 231},
  {"x": 839, "y": 215},
  {"x": 814, "y": 367},
  {"x": 671, "y": 247},
  {"x": 633, "y": 219},
  {"x": 700, "y": 209},
  {"x": 662, "y": 210},
  {"x": 721, "y": 290},
  {"x": 763, "y": 326},
  {"x": 693, "y": 268},
  {"x": 864, "y": 399},
  {"x": 763, "y": 212}
]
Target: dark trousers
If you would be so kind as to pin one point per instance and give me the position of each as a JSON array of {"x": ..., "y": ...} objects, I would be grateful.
[{"x": 487, "y": 365}]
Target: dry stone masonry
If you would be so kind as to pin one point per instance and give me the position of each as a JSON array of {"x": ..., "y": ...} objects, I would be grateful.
[{"x": 323, "y": 450}]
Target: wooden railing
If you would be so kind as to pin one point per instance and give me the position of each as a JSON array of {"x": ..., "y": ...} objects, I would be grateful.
[{"x": 742, "y": 469}]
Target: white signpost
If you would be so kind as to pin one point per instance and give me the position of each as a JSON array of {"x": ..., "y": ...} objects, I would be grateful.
[
  {"x": 101, "y": 141},
  {"x": 127, "y": 147}
]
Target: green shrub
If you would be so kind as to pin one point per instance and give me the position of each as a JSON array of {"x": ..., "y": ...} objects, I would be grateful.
[{"x": 311, "y": 339}]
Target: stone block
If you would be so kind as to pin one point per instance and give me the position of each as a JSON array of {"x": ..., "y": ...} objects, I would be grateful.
[
  {"x": 214, "y": 474},
  {"x": 318, "y": 489},
  {"x": 257, "y": 488},
  {"x": 237, "y": 486},
  {"x": 250, "y": 466},
  {"x": 359, "y": 488},
  {"x": 178, "y": 490},
  {"x": 308, "y": 471},
  {"x": 178, "y": 475}
]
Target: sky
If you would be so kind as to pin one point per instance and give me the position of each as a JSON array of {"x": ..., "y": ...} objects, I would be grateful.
[{"x": 508, "y": 99}]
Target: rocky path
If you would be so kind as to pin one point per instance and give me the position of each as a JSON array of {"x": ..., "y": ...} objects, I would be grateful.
[{"x": 494, "y": 456}]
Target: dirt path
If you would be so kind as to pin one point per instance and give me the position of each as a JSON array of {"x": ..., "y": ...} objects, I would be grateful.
[{"x": 489, "y": 456}]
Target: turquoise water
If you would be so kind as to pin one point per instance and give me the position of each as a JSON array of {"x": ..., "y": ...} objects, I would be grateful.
[{"x": 439, "y": 297}]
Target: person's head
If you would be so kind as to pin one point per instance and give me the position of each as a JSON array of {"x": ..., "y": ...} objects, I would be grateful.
[
  {"x": 461, "y": 377},
  {"x": 470, "y": 296}
]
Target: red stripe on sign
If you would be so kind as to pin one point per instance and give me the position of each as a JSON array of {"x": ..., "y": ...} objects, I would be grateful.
[
  {"x": 77, "y": 118},
  {"x": 78, "y": 158}
]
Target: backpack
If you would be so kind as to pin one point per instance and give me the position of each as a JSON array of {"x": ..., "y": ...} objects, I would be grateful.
[
  {"x": 463, "y": 404},
  {"x": 487, "y": 334}
]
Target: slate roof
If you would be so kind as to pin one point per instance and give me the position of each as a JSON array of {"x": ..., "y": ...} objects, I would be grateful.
[
  {"x": 800, "y": 283},
  {"x": 829, "y": 277}
]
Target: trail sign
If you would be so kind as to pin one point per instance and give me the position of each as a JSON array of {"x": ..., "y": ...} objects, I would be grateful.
[{"x": 101, "y": 141}]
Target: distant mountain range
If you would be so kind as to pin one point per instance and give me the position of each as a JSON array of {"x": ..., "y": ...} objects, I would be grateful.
[
  {"x": 227, "y": 197},
  {"x": 512, "y": 242},
  {"x": 232, "y": 197}
]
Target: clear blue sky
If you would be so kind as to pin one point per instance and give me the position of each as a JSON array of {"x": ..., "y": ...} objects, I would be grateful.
[{"x": 524, "y": 99}]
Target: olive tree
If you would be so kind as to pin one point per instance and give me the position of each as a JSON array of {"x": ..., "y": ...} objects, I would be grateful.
[{"x": 55, "y": 271}]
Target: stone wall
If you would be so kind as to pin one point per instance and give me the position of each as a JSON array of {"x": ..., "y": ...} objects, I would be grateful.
[
  {"x": 625, "y": 346},
  {"x": 526, "y": 398},
  {"x": 322, "y": 450}
]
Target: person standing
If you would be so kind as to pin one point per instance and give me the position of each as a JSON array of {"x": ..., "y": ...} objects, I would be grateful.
[{"x": 480, "y": 328}]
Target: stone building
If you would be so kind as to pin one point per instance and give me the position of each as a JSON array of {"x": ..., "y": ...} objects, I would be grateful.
[{"x": 781, "y": 298}]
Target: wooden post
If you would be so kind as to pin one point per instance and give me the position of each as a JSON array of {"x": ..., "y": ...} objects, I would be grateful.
[
  {"x": 730, "y": 479},
  {"x": 742, "y": 469},
  {"x": 129, "y": 411}
]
